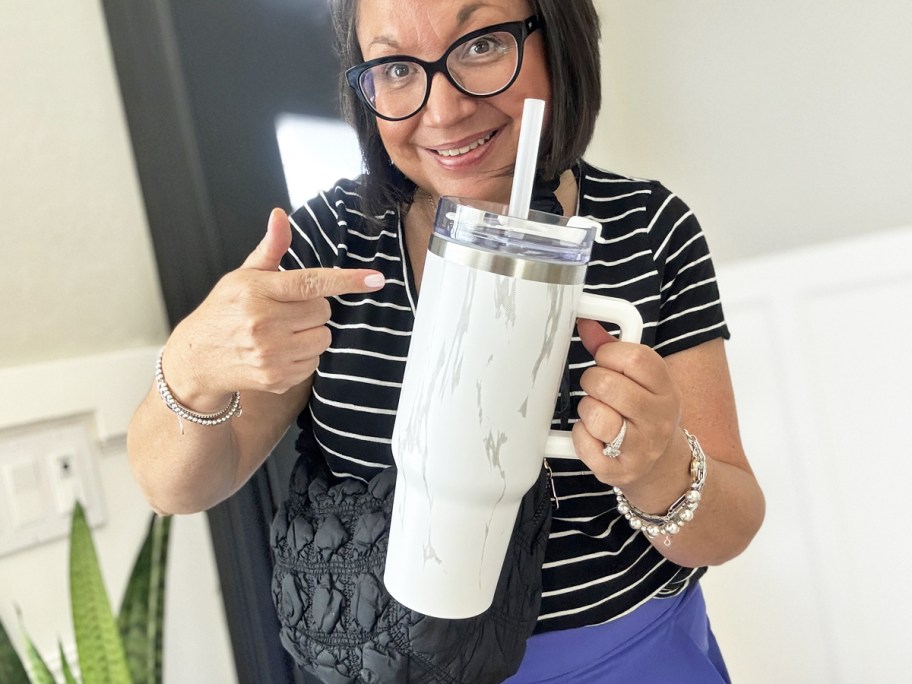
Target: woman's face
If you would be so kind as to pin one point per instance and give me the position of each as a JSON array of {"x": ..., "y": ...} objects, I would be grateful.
[{"x": 429, "y": 147}]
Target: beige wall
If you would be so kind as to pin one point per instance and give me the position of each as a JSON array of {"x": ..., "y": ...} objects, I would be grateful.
[
  {"x": 76, "y": 271},
  {"x": 782, "y": 123},
  {"x": 77, "y": 287}
]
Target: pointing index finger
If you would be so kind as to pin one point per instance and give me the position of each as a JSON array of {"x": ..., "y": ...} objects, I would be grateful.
[{"x": 311, "y": 283}]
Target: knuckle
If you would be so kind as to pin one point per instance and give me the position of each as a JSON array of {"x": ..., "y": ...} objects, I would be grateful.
[
  {"x": 255, "y": 329},
  {"x": 256, "y": 339},
  {"x": 586, "y": 409},
  {"x": 258, "y": 360},
  {"x": 308, "y": 368},
  {"x": 600, "y": 420},
  {"x": 265, "y": 370},
  {"x": 232, "y": 279},
  {"x": 316, "y": 341},
  {"x": 247, "y": 302},
  {"x": 638, "y": 359},
  {"x": 595, "y": 381},
  {"x": 654, "y": 447},
  {"x": 601, "y": 425},
  {"x": 322, "y": 310},
  {"x": 323, "y": 338},
  {"x": 310, "y": 284},
  {"x": 271, "y": 379},
  {"x": 580, "y": 435},
  {"x": 231, "y": 291},
  {"x": 605, "y": 387},
  {"x": 667, "y": 426}
]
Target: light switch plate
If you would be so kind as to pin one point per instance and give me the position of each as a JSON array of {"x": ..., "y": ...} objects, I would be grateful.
[{"x": 44, "y": 469}]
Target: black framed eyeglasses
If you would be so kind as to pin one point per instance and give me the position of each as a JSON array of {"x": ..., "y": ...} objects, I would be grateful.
[{"x": 482, "y": 63}]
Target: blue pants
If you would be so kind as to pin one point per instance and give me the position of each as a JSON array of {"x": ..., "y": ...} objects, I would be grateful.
[{"x": 664, "y": 641}]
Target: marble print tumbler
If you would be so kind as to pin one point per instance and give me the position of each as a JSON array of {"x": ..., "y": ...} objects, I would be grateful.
[{"x": 498, "y": 301}]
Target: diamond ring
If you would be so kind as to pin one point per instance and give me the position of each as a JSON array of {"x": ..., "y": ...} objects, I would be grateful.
[{"x": 613, "y": 448}]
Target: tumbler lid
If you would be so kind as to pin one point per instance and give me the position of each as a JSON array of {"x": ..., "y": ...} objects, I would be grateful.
[{"x": 542, "y": 237}]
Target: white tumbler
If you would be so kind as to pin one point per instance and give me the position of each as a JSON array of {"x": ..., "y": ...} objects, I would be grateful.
[{"x": 499, "y": 298}]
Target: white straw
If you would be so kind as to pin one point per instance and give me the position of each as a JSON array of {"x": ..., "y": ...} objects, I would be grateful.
[{"x": 526, "y": 158}]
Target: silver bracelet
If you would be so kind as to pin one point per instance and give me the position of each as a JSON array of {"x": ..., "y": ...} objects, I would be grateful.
[
  {"x": 680, "y": 512},
  {"x": 183, "y": 413}
]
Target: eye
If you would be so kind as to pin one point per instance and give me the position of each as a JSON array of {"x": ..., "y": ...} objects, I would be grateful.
[
  {"x": 481, "y": 46},
  {"x": 489, "y": 47},
  {"x": 397, "y": 71}
]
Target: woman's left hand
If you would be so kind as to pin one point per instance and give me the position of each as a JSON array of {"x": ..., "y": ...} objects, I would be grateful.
[
  {"x": 630, "y": 381},
  {"x": 658, "y": 395}
]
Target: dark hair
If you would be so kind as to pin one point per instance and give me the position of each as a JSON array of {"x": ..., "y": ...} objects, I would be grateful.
[{"x": 571, "y": 31}]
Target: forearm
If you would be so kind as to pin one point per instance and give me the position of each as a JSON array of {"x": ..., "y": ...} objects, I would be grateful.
[
  {"x": 181, "y": 472},
  {"x": 730, "y": 511},
  {"x": 186, "y": 468}
]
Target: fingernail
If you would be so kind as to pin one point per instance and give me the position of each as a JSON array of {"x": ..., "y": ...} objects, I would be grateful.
[{"x": 375, "y": 280}]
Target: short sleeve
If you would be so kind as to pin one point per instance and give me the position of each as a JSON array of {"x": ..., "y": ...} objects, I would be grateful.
[
  {"x": 317, "y": 228},
  {"x": 691, "y": 308}
]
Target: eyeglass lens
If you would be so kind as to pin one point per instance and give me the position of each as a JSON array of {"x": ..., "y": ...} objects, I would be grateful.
[{"x": 482, "y": 66}]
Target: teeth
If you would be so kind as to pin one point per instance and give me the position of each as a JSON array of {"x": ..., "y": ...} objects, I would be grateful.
[{"x": 467, "y": 148}]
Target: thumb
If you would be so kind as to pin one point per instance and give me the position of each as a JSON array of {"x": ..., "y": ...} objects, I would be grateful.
[
  {"x": 272, "y": 247},
  {"x": 593, "y": 335}
]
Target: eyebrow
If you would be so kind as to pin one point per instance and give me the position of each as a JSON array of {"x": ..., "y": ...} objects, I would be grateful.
[
  {"x": 462, "y": 16},
  {"x": 384, "y": 39},
  {"x": 466, "y": 12}
]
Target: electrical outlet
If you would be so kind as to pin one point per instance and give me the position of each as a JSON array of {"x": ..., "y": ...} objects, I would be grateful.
[
  {"x": 45, "y": 468},
  {"x": 65, "y": 479}
]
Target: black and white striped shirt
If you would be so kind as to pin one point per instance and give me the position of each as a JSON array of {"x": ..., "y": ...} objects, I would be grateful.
[{"x": 651, "y": 252}]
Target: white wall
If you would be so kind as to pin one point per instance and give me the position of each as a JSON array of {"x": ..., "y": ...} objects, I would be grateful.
[
  {"x": 820, "y": 376},
  {"x": 76, "y": 268},
  {"x": 782, "y": 123},
  {"x": 80, "y": 292},
  {"x": 785, "y": 125}
]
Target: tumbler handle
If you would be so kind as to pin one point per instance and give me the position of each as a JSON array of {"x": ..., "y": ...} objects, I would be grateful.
[{"x": 559, "y": 444}]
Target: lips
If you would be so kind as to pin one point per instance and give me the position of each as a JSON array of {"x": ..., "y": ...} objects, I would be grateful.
[{"x": 459, "y": 151}]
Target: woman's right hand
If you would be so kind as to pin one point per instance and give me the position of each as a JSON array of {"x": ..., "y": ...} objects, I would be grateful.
[{"x": 260, "y": 328}]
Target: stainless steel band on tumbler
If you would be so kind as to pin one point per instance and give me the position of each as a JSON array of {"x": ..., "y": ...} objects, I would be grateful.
[{"x": 507, "y": 265}]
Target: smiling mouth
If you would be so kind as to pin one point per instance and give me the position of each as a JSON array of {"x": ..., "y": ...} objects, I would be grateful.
[{"x": 459, "y": 151}]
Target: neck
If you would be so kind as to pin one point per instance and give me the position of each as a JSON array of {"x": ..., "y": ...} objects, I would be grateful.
[{"x": 426, "y": 204}]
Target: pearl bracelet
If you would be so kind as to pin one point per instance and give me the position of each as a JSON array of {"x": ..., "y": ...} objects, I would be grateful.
[
  {"x": 680, "y": 512},
  {"x": 183, "y": 413}
]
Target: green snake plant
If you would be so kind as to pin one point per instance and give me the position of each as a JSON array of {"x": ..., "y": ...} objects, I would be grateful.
[{"x": 125, "y": 650}]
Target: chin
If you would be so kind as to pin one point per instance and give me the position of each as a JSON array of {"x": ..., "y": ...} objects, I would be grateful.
[{"x": 495, "y": 190}]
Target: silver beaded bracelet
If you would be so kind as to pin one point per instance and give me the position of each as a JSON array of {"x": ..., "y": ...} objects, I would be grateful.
[
  {"x": 680, "y": 512},
  {"x": 183, "y": 413}
]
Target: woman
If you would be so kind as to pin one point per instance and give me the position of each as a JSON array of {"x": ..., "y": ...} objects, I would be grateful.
[{"x": 338, "y": 286}]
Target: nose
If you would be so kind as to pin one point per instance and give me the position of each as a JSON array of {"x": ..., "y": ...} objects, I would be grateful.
[{"x": 445, "y": 104}]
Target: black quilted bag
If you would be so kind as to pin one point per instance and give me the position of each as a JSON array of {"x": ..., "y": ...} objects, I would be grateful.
[{"x": 340, "y": 624}]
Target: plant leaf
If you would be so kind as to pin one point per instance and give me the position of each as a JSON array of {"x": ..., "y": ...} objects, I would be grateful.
[
  {"x": 65, "y": 666},
  {"x": 101, "y": 652},
  {"x": 12, "y": 671},
  {"x": 141, "y": 617},
  {"x": 41, "y": 674}
]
